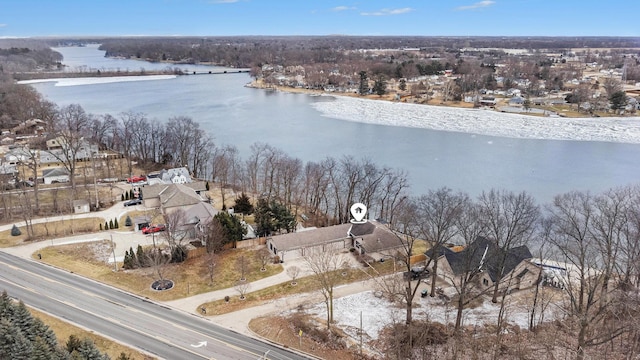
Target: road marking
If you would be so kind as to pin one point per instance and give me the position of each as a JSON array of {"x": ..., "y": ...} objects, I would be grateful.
[{"x": 200, "y": 344}]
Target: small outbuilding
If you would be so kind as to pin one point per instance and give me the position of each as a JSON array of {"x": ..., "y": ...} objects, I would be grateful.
[{"x": 81, "y": 206}]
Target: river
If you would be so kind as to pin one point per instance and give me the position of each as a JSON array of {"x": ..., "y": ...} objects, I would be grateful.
[{"x": 303, "y": 128}]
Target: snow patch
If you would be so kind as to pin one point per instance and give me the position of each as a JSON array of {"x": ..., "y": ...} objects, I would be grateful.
[
  {"x": 377, "y": 312},
  {"x": 479, "y": 121},
  {"x": 97, "y": 80}
]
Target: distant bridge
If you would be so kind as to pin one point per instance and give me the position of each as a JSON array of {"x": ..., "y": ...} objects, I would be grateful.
[{"x": 220, "y": 72}]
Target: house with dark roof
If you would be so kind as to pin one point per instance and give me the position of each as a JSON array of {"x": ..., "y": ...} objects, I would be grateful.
[{"x": 486, "y": 258}]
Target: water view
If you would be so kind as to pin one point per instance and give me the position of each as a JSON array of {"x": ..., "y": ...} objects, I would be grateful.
[{"x": 299, "y": 125}]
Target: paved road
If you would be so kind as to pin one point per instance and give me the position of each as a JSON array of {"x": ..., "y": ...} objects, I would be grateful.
[{"x": 151, "y": 327}]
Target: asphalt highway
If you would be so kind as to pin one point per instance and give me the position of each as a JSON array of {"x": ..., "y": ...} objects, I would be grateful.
[{"x": 156, "y": 329}]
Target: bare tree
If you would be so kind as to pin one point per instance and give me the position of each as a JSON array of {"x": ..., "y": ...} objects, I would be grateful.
[
  {"x": 175, "y": 233},
  {"x": 211, "y": 264},
  {"x": 406, "y": 227},
  {"x": 241, "y": 266},
  {"x": 242, "y": 287},
  {"x": 469, "y": 227},
  {"x": 326, "y": 268},
  {"x": 70, "y": 125},
  {"x": 438, "y": 211},
  {"x": 509, "y": 220},
  {"x": 264, "y": 256},
  {"x": 578, "y": 219},
  {"x": 293, "y": 272}
]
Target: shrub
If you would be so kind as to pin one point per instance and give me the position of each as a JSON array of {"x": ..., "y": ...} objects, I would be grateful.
[{"x": 15, "y": 231}]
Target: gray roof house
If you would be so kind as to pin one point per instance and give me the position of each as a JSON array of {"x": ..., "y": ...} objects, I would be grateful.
[
  {"x": 54, "y": 175},
  {"x": 370, "y": 238},
  {"x": 484, "y": 257}
]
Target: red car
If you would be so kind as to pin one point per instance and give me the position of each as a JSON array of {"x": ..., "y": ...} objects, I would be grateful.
[
  {"x": 154, "y": 229},
  {"x": 135, "y": 179}
]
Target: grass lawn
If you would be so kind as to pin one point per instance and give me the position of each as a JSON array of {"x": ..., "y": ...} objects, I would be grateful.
[
  {"x": 190, "y": 277},
  {"x": 63, "y": 330},
  {"x": 51, "y": 229},
  {"x": 303, "y": 285}
]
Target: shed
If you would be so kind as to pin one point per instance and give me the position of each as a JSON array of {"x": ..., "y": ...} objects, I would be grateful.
[
  {"x": 81, "y": 206},
  {"x": 140, "y": 222}
]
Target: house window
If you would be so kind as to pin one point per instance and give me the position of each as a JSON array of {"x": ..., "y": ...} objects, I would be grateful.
[{"x": 485, "y": 282}]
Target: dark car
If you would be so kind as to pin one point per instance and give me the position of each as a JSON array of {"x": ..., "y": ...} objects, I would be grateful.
[
  {"x": 154, "y": 229},
  {"x": 133, "y": 202}
]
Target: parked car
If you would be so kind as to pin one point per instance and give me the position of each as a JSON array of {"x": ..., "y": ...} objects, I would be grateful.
[
  {"x": 154, "y": 229},
  {"x": 24, "y": 183},
  {"x": 136, "y": 179},
  {"x": 133, "y": 202}
]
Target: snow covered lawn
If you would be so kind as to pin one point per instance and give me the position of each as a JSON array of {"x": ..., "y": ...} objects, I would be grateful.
[{"x": 377, "y": 312}]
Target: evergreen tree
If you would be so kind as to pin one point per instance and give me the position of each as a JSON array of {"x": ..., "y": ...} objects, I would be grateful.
[
  {"x": 363, "y": 88},
  {"x": 380, "y": 85},
  {"x": 122, "y": 198},
  {"x": 232, "y": 227},
  {"x": 115, "y": 223},
  {"x": 7, "y": 334},
  {"x": 131, "y": 194},
  {"x": 206, "y": 186},
  {"x": 403, "y": 85},
  {"x": 89, "y": 351},
  {"x": 100, "y": 226},
  {"x": 283, "y": 218},
  {"x": 106, "y": 225},
  {"x": 263, "y": 218},
  {"x": 618, "y": 101},
  {"x": 41, "y": 351},
  {"x": 21, "y": 349},
  {"x": 141, "y": 257},
  {"x": 73, "y": 343},
  {"x": 15, "y": 231},
  {"x": 110, "y": 224},
  {"x": 127, "y": 221},
  {"x": 243, "y": 204}
]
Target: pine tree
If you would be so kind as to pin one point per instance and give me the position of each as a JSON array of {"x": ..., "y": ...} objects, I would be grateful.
[
  {"x": 131, "y": 194},
  {"x": 41, "y": 350},
  {"x": 89, "y": 351},
  {"x": 15, "y": 231},
  {"x": 100, "y": 226},
  {"x": 106, "y": 225},
  {"x": 72, "y": 344},
  {"x": 141, "y": 257},
  {"x": 127, "y": 221},
  {"x": 122, "y": 197},
  {"x": 110, "y": 224},
  {"x": 115, "y": 222}
]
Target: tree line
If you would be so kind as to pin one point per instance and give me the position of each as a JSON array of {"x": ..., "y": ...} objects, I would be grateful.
[{"x": 595, "y": 238}]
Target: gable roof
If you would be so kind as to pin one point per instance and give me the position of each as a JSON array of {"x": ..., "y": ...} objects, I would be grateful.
[
  {"x": 302, "y": 239},
  {"x": 178, "y": 195},
  {"x": 375, "y": 237},
  {"x": 483, "y": 253},
  {"x": 200, "y": 213},
  {"x": 54, "y": 172}
]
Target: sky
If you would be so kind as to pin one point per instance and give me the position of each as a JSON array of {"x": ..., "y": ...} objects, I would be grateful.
[{"x": 36, "y": 18}]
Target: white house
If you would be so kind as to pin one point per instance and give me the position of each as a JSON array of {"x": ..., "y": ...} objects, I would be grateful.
[{"x": 55, "y": 175}]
